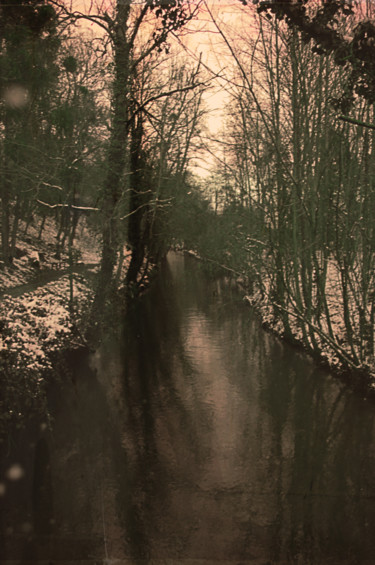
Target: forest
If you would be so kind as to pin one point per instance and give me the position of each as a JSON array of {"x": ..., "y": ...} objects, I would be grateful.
[{"x": 106, "y": 118}]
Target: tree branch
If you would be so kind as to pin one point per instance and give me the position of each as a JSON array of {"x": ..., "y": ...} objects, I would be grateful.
[
  {"x": 158, "y": 201},
  {"x": 141, "y": 107},
  {"x": 356, "y": 122},
  {"x": 137, "y": 24},
  {"x": 105, "y": 22}
]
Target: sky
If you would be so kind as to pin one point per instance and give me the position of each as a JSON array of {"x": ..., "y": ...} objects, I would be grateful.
[
  {"x": 200, "y": 38},
  {"x": 204, "y": 39}
]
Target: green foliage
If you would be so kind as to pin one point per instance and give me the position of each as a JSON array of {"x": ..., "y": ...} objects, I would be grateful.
[{"x": 29, "y": 43}]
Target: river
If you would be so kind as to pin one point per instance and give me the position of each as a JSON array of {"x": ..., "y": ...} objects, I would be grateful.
[{"x": 194, "y": 437}]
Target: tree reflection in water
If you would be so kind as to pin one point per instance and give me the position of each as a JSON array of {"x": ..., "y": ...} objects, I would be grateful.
[{"x": 196, "y": 435}]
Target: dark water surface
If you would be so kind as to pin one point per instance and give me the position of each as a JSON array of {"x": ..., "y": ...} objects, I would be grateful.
[{"x": 194, "y": 438}]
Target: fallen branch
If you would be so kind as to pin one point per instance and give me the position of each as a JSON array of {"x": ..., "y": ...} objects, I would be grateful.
[{"x": 72, "y": 206}]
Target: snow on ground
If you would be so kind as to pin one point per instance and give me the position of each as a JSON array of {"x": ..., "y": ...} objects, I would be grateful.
[
  {"x": 332, "y": 349},
  {"x": 39, "y": 323},
  {"x": 36, "y": 325},
  {"x": 34, "y": 328},
  {"x": 31, "y": 249}
]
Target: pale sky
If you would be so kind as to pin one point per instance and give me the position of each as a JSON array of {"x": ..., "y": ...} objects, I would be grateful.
[{"x": 201, "y": 38}]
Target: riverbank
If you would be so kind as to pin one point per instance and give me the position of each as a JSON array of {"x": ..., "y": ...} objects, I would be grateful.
[
  {"x": 35, "y": 328},
  {"x": 42, "y": 309},
  {"x": 333, "y": 354},
  {"x": 45, "y": 312},
  {"x": 42, "y": 319},
  {"x": 330, "y": 353}
]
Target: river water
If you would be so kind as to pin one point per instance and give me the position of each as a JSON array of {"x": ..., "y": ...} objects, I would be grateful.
[{"x": 194, "y": 437}]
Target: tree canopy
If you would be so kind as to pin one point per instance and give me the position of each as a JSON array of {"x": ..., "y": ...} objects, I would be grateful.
[{"x": 325, "y": 24}]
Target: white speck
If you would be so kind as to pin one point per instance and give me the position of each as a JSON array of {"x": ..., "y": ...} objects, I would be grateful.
[
  {"x": 16, "y": 96},
  {"x": 15, "y": 472}
]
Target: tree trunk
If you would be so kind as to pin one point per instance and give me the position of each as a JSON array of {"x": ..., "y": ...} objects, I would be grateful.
[
  {"x": 16, "y": 219},
  {"x": 116, "y": 158},
  {"x": 5, "y": 202},
  {"x": 42, "y": 224},
  {"x": 137, "y": 205}
]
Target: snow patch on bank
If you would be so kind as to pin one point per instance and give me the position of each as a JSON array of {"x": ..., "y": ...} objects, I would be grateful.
[
  {"x": 34, "y": 328},
  {"x": 328, "y": 346},
  {"x": 38, "y": 323}
]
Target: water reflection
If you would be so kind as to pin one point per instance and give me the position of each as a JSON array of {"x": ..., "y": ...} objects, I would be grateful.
[
  {"x": 244, "y": 436},
  {"x": 196, "y": 435}
]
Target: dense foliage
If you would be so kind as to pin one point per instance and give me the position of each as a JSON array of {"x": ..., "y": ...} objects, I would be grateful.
[{"x": 320, "y": 23}]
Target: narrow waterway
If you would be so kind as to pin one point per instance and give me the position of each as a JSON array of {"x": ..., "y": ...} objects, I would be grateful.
[{"x": 194, "y": 438}]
